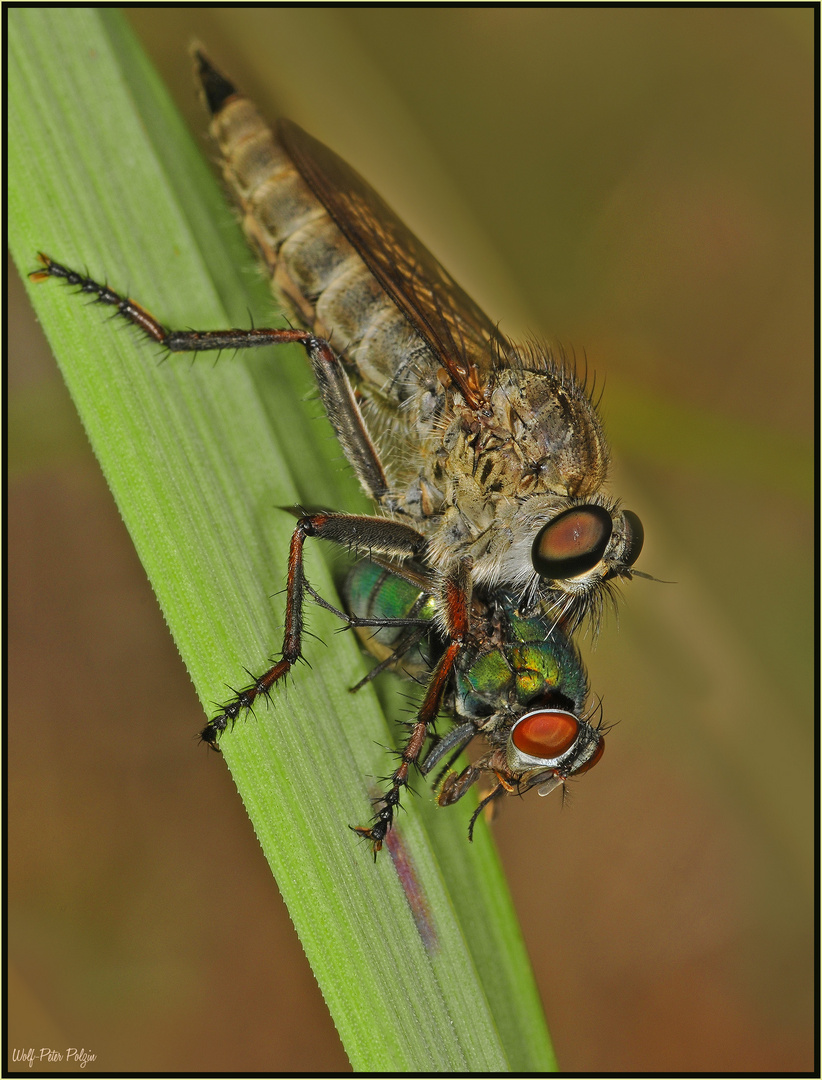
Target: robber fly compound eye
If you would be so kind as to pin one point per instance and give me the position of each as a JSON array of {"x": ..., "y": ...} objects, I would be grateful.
[{"x": 573, "y": 543}]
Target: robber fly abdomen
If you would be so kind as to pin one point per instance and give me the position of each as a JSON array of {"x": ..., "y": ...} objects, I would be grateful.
[
  {"x": 310, "y": 261},
  {"x": 318, "y": 271}
]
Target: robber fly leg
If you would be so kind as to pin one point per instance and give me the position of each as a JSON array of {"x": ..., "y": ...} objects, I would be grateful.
[
  {"x": 458, "y": 603},
  {"x": 360, "y": 534},
  {"x": 173, "y": 340},
  {"x": 332, "y": 380}
]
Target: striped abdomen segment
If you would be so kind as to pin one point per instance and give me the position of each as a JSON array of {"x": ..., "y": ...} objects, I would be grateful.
[{"x": 313, "y": 265}]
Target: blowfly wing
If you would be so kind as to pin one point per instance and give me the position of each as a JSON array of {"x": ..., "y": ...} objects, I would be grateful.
[{"x": 459, "y": 334}]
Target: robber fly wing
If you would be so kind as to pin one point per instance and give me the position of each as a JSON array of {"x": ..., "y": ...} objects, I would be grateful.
[{"x": 460, "y": 335}]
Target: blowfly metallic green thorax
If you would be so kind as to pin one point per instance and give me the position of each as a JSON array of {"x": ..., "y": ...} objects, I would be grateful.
[{"x": 493, "y": 536}]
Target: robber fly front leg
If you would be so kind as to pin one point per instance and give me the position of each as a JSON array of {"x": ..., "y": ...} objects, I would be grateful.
[
  {"x": 332, "y": 380},
  {"x": 362, "y": 535},
  {"x": 457, "y": 614}
]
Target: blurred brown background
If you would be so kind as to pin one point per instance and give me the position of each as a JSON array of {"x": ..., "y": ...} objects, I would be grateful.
[{"x": 639, "y": 184}]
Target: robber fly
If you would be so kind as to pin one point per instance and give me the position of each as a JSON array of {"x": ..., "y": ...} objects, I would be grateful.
[{"x": 486, "y": 459}]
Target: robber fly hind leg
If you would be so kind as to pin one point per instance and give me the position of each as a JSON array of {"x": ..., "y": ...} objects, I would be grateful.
[{"x": 332, "y": 380}]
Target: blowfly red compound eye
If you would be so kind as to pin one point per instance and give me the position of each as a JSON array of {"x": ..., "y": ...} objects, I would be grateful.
[
  {"x": 593, "y": 759},
  {"x": 546, "y": 734}
]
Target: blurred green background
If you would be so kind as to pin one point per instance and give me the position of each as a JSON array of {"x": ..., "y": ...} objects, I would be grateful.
[{"x": 638, "y": 184}]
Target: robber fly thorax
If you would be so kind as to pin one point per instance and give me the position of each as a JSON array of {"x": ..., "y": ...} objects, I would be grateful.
[{"x": 486, "y": 460}]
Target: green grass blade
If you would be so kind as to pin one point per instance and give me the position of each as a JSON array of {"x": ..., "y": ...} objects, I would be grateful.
[{"x": 104, "y": 176}]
